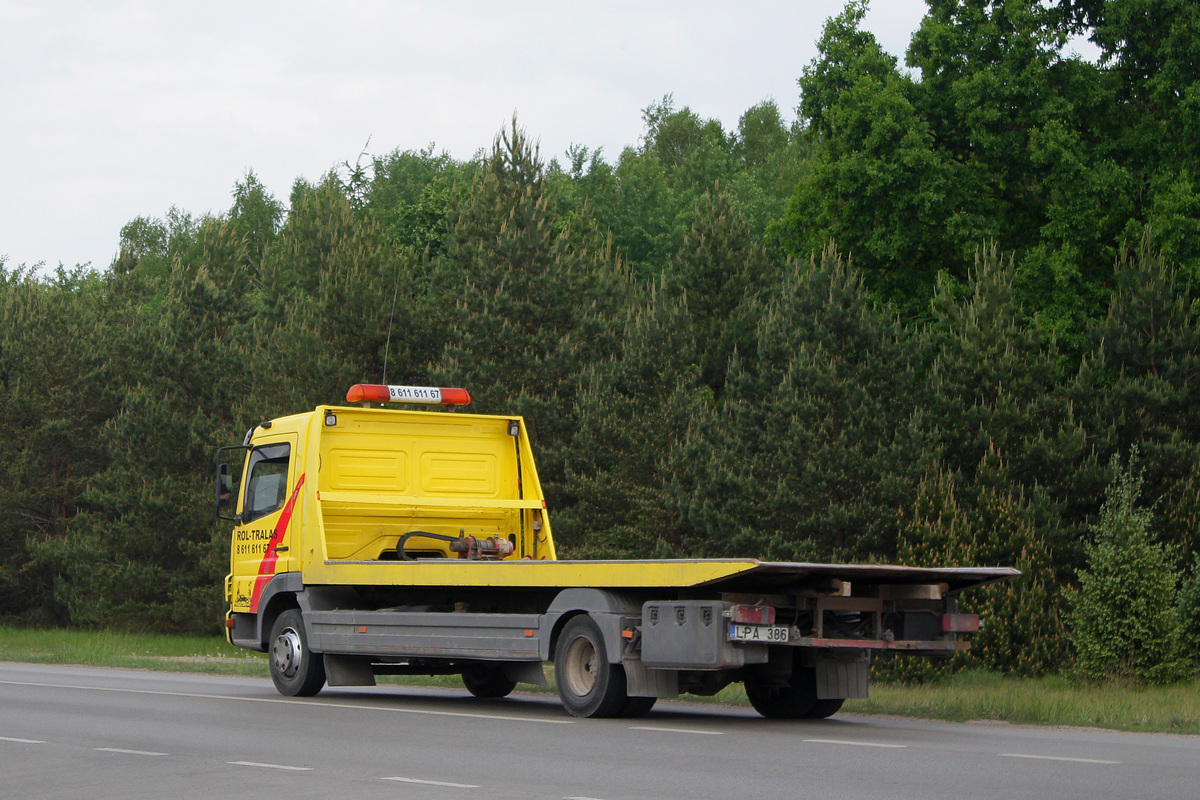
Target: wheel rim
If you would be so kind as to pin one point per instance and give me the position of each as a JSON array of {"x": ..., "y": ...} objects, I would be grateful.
[
  {"x": 581, "y": 666},
  {"x": 285, "y": 652}
]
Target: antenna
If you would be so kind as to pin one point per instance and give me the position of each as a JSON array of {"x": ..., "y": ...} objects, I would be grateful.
[{"x": 388, "y": 343}]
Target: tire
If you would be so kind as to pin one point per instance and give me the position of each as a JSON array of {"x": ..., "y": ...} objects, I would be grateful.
[
  {"x": 295, "y": 669},
  {"x": 487, "y": 681},
  {"x": 796, "y": 701},
  {"x": 637, "y": 706},
  {"x": 588, "y": 685},
  {"x": 824, "y": 709},
  {"x": 780, "y": 702}
]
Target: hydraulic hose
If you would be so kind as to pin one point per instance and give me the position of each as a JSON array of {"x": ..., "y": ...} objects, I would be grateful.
[{"x": 426, "y": 534}]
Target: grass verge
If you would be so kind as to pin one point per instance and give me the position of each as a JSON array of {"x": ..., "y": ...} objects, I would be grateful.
[
  {"x": 1054, "y": 700},
  {"x": 968, "y": 696},
  {"x": 132, "y": 650}
]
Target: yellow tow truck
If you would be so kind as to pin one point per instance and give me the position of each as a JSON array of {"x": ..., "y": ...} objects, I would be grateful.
[{"x": 370, "y": 540}]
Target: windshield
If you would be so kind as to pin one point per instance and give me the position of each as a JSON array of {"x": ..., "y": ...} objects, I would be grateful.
[{"x": 266, "y": 490}]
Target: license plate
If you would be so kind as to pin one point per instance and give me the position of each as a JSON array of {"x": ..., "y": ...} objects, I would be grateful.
[{"x": 758, "y": 633}]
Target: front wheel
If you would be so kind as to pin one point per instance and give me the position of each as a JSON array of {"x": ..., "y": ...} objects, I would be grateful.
[
  {"x": 295, "y": 669},
  {"x": 588, "y": 685}
]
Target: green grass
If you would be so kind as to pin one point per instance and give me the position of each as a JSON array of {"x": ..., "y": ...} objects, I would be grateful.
[
  {"x": 969, "y": 696},
  {"x": 132, "y": 650},
  {"x": 972, "y": 696}
]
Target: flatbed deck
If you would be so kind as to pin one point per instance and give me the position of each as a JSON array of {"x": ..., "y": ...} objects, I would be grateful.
[{"x": 733, "y": 575}]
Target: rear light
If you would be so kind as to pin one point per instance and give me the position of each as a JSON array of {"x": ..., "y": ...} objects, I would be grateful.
[
  {"x": 752, "y": 615},
  {"x": 960, "y": 623}
]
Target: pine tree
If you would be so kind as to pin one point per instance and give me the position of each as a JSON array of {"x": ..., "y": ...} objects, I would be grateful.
[
  {"x": 997, "y": 383},
  {"x": 58, "y": 390},
  {"x": 633, "y": 410},
  {"x": 722, "y": 268},
  {"x": 336, "y": 304},
  {"x": 985, "y": 524},
  {"x": 532, "y": 300},
  {"x": 140, "y": 551},
  {"x": 809, "y": 448},
  {"x": 1123, "y": 619},
  {"x": 1149, "y": 378}
]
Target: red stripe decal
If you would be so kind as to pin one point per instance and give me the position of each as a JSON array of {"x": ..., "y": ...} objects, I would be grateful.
[{"x": 266, "y": 568}]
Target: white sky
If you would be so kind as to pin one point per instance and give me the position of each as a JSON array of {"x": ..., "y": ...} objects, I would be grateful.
[{"x": 116, "y": 109}]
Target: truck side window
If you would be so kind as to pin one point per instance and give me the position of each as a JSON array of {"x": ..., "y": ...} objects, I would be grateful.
[{"x": 266, "y": 489}]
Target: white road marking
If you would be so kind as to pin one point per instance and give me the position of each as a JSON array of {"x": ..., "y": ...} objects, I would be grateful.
[
  {"x": 433, "y": 783},
  {"x": 315, "y": 703},
  {"x": 20, "y": 741},
  {"x": 269, "y": 766},
  {"x": 857, "y": 744},
  {"x": 1058, "y": 758},
  {"x": 129, "y": 752},
  {"x": 676, "y": 730},
  {"x": 581, "y": 798}
]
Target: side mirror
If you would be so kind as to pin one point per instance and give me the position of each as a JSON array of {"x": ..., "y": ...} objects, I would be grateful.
[{"x": 228, "y": 481}]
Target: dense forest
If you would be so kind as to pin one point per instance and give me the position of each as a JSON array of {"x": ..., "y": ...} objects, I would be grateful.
[{"x": 947, "y": 316}]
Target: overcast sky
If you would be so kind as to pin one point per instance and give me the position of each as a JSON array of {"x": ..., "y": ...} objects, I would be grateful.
[{"x": 116, "y": 109}]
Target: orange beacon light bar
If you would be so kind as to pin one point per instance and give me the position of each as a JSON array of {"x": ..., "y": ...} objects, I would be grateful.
[{"x": 428, "y": 395}]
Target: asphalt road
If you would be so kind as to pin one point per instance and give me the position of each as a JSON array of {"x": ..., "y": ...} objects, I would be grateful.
[{"x": 79, "y": 732}]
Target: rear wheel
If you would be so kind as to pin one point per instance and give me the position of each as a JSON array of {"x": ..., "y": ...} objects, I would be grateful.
[
  {"x": 637, "y": 706},
  {"x": 295, "y": 669},
  {"x": 780, "y": 702},
  {"x": 588, "y": 685},
  {"x": 797, "y": 700},
  {"x": 823, "y": 709},
  {"x": 487, "y": 680}
]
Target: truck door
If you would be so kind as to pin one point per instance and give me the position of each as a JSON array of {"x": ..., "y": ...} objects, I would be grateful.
[{"x": 264, "y": 536}]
